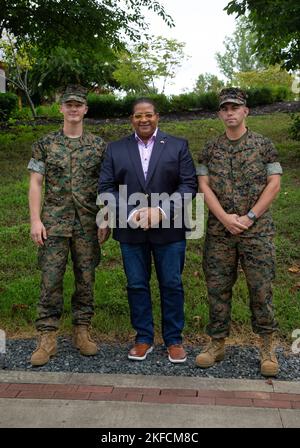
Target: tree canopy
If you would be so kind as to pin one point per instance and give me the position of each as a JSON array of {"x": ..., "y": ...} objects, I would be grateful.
[
  {"x": 65, "y": 65},
  {"x": 273, "y": 76},
  {"x": 276, "y": 24},
  {"x": 156, "y": 59},
  {"x": 69, "y": 40},
  {"x": 240, "y": 54},
  {"x": 208, "y": 82},
  {"x": 49, "y": 23}
]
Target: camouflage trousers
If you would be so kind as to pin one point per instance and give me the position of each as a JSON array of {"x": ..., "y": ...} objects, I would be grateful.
[
  {"x": 53, "y": 258},
  {"x": 220, "y": 264}
]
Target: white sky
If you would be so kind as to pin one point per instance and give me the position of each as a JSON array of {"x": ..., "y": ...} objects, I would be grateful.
[{"x": 202, "y": 25}]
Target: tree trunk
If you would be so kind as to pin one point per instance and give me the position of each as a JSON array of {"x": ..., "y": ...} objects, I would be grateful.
[
  {"x": 31, "y": 105},
  {"x": 20, "y": 105},
  {"x": 164, "y": 86}
]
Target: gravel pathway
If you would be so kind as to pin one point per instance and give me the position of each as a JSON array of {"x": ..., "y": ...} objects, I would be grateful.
[{"x": 240, "y": 362}]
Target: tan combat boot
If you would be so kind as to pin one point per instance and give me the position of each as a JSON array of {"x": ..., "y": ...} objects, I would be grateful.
[
  {"x": 83, "y": 341},
  {"x": 268, "y": 361},
  {"x": 46, "y": 348},
  {"x": 213, "y": 352}
]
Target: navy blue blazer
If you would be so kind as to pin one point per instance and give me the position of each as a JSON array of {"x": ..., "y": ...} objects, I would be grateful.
[{"x": 171, "y": 170}]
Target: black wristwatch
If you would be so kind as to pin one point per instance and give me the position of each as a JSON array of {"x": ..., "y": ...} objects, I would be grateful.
[{"x": 251, "y": 215}]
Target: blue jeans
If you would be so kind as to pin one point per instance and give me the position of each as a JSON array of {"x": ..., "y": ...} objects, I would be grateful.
[{"x": 169, "y": 263}]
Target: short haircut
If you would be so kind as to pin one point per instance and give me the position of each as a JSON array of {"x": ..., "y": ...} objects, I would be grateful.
[{"x": 143, "y": 100}]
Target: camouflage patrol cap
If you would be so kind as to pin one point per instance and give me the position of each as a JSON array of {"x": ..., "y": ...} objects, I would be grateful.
[
  {"x": 74, "y": 93},
  {"x": 232, "y": 95}
]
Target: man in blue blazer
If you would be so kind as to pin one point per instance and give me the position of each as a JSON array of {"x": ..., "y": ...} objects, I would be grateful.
[{"x": 151, "y": 176}]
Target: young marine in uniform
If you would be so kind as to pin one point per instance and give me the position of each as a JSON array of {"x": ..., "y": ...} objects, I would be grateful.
[
  {"x": 240, "y": 176},
  {"x": 68, "y": 161}
]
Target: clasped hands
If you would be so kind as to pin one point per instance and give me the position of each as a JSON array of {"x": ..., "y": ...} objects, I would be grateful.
[
  {"x": 236, "y": 224},
  {"x": 146, "y": 217}
]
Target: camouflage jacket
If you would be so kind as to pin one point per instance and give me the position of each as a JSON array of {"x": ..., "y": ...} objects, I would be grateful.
[
  {"x": 238, "y": 175},
  {"x": 71, "y": 176}
]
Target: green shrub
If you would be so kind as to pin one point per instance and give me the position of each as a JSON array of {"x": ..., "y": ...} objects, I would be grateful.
[
  {"x": 191, "y": 101},
  {"x": 126, "y": 104},
  {"x": 108, "y": 106},
  {"x": 51, "y": 110},
  {"x": 209, "y": 101},
  {"x": 282, "y": 93},
  {"x": 103, "y": 106},
  {"x": 184, "y": 102},
  {"x": 295, "y": 128},
  {"x": 22, "y": 114},
  {"x": 260, "y": 96},
  {"x": 8, "y": 103},
  {"x": 162, "y": 102}
]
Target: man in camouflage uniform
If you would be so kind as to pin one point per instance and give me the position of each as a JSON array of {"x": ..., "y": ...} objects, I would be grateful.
[
  {"x": 69, "y": 160},
  {"x": 239, "y": 175}
]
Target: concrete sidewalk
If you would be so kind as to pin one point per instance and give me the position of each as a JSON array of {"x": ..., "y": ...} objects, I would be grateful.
[{"x": 56, "y": 400}]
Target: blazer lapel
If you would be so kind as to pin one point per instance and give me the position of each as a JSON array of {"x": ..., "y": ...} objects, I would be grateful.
[
  {"x": 135, "y": 157},
  {"x": 160, "y": 141}
]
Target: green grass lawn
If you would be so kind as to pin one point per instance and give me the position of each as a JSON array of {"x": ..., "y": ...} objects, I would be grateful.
[{"x": 19, "y": 275}]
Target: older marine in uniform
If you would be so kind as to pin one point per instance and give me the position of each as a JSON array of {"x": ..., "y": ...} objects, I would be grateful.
[
  {"x": 68, "y": 161},
  {"x": 240, "y": 175}
]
